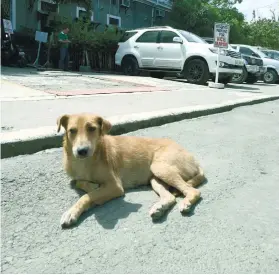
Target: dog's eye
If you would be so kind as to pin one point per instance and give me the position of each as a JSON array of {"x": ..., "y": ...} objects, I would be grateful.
[
  {"x": 73, "y": 131},
  {"x": 91, "y": 128}
]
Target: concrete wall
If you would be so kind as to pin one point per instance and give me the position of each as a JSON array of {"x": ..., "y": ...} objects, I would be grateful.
[{"x": 25, "y": 17}]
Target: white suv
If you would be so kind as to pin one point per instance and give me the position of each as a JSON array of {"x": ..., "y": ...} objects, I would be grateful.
[{"x": 165, "y": 49}]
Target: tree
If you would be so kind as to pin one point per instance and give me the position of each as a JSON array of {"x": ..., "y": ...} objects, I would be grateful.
[
  {"x": 263, "y": 32},
  {"x": 199, "y": 16},
  {"x": 191, "y": 15}
]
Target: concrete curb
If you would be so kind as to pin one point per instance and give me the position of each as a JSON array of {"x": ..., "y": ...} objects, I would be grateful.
[{"x": 30, "y": 141}]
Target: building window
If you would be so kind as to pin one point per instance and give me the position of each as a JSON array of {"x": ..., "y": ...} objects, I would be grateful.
[
  {"x": 81, "y": 13},
  {"x": 113, "y": 20}
]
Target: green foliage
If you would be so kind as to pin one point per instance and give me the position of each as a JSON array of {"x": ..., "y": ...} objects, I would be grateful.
[
  {"x": 263, "y": 32},
  {"x": 199, "y": 16},
  {"x": 84, "y": 36}
]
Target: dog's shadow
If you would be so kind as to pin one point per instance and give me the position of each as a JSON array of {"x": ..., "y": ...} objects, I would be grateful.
[{"x": 111, "y": 212}]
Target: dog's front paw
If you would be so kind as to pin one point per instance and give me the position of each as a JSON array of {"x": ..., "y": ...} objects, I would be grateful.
[{"x": 68, "y": 218}]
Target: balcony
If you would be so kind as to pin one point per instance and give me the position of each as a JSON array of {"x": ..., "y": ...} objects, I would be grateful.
[
  {"x": 161, "y": 3},
  {"x": 165, "y": 3}
]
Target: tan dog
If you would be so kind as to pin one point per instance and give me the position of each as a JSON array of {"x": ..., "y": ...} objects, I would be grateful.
[{"x": 116, "y": 163}]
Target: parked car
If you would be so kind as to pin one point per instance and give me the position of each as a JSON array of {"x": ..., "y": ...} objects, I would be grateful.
[
  {"x": 253, "y": 69},
  {"x": 209, "y": 40},
  {"x": 271, "y": 54},
  {"x": 271, "y": 76},
  {"x": 164, "y": 49}
]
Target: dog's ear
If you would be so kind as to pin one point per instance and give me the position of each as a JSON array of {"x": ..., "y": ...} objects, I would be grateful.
[
  {"x": 62, "y": 121},
  {"x": 105, "y": 125}
]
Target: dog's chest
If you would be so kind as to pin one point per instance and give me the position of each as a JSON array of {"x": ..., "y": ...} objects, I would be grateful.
[{"x": 85, "y": 170}]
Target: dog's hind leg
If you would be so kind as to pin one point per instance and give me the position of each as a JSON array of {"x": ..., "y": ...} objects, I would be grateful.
[
  {"x": 166, "y": 199},
  {"x": 170, "y": 175}
]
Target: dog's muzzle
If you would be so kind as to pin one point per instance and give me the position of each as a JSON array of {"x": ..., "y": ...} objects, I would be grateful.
[{"x": 82, "y": 152}]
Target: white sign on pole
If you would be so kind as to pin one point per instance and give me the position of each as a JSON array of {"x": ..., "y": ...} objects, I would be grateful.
[
  {"x": 8, "y": 27},
  {"x": 41, "y": 36},
  {"x": 221, "y": 35},
  {"x": 221, "y": 41}
]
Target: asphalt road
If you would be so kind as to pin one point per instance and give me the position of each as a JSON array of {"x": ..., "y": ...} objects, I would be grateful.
[{"x": 234, "y": 229}]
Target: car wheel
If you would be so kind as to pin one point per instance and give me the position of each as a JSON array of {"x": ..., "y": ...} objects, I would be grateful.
[
  {"x": 130, "y": 66},
  {"x": 251, "y": 79},
  {"x": 157, "y": 74},
  {"x": 270, "y": 77},
  {"x": 196, "y": 72},
  {"x": 240, "y": 78}
]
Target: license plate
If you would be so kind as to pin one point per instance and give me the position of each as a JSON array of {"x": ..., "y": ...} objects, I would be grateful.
[{"x": 239, "y": 62}]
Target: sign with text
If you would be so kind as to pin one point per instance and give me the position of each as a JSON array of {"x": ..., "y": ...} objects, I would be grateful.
[
  {"x": 221, "y": 35},
  {"x": 8, "y": 26},
  {"x": 41, "y": 36}
]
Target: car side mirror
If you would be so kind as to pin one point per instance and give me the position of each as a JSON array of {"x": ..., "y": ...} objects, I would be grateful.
[{"x": 177, "y": 39}]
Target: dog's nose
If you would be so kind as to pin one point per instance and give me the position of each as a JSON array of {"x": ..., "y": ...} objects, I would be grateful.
[{"x": 82, "y": 152}]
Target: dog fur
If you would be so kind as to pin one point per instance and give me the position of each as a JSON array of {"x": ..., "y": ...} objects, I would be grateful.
[{"x": 104, "y": 166}]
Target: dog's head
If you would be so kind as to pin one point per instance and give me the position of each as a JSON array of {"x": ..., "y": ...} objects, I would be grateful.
[{"x": 82, "y": 132}]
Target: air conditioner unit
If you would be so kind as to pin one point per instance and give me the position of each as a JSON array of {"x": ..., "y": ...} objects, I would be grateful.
[
  {"x": 160, "y": 13},
  {"x": 125, "y": 3},
  {"x": 46, "y": 6}
]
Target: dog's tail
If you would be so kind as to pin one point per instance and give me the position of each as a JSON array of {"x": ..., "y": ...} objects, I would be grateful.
[{"x": 198, "y": 179}]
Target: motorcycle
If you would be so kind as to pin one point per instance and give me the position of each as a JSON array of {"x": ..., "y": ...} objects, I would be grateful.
[{"x": 11, "y": 54}]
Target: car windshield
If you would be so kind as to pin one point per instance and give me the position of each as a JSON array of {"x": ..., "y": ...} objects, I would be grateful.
[
  {"x": 276, "y": 55},
  {"x": 272, "y": 54},
  {"x": 260, "y": 53},
  {"x": 190, "y": 37}
]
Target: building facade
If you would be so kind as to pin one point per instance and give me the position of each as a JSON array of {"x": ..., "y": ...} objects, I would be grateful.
[{"x": 125, "y": 14}]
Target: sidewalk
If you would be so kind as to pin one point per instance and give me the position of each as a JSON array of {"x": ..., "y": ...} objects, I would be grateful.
[
  {"x": 32, "y": 99},
  {"x": 10, "y": 89},
  {"x": 25, "y": 114},
  {"x": 28, "y": 120}
]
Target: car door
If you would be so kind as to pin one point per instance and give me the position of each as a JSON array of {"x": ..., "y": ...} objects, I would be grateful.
[
  {"x": 146, "y": 46},
  {"x": 169, "y": 53}
]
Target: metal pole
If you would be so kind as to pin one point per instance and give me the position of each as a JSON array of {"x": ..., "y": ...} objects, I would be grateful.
[
  {"x": 38, "y": 55},
  {"x": 217, "y": 68}
]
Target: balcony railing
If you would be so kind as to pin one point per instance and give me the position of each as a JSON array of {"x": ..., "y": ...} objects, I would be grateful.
[{"x": 163, "y": 3}]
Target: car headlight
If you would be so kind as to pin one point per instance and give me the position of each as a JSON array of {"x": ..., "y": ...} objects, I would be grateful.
[{"x": 214, "y": 50}]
